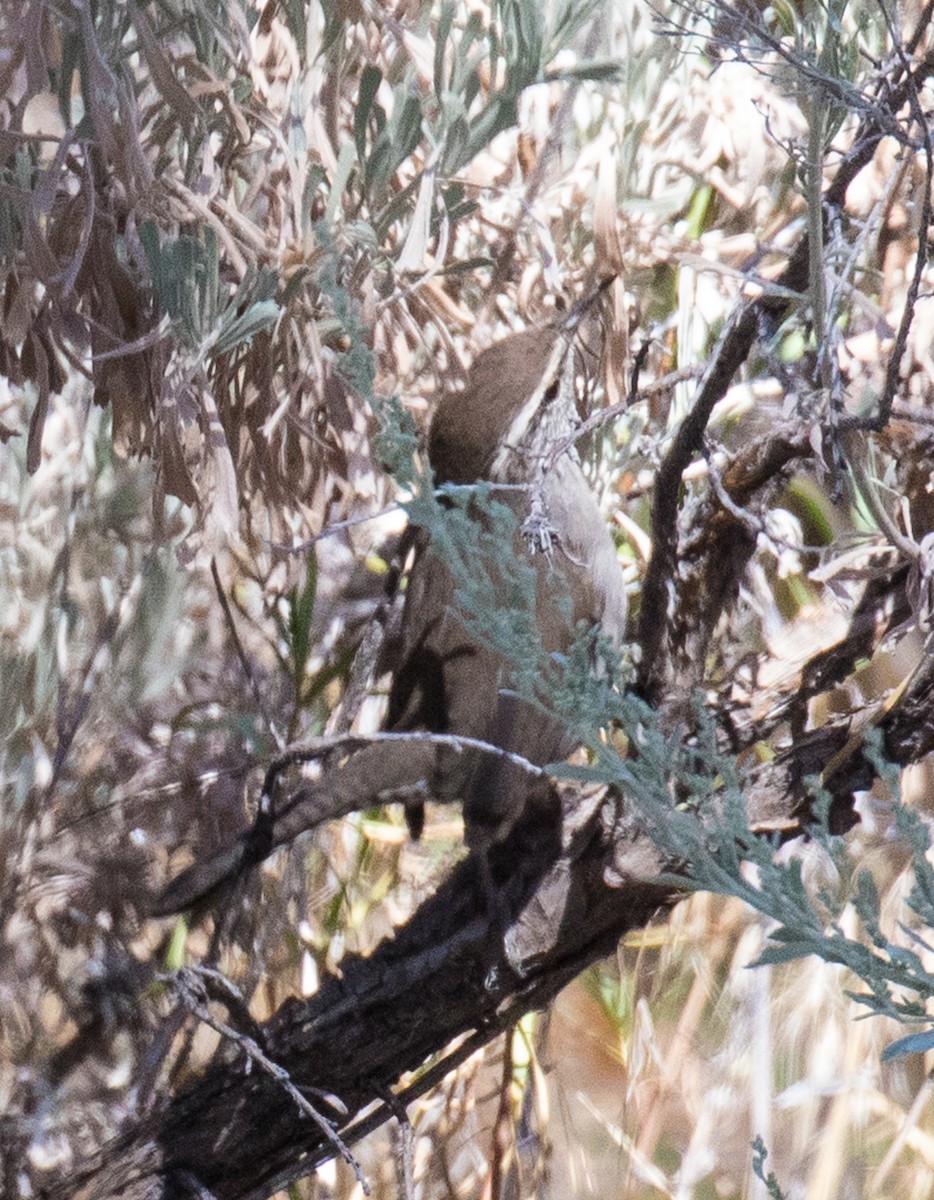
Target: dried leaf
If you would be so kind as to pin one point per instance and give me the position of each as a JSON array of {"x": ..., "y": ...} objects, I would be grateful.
[
  {"x": 616, "y": 344},
  {"x": 412, "y": 257},
  {"x": 608, "y": 249},
  {"x": 223, "y": 514},
  {"x": 161, "y": 70},
  {"x": 175, "y": 477},
  {"x": 34, "y": 353}
]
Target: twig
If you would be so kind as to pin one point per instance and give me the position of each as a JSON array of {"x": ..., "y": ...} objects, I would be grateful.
[
  {"x": 893, "y": 367},
  {"x": 330, "y": 530},
  {"x": 730, "y": 353},
  {"x": 638, "y": 363},
  {"x": 732, "y": 350},
  {"x": 603, "y": 416},
  {"x": 320, "y": 747},
  {"x": 274, "y": 826},
  {"x": 191, "y": 986},
  {"x": 924, "y": 19},
  {"x": 502, "y": 1124},
  {"x": 241, "y": 654},
  {"x": 536, "y": 995},
  {"x": 754, "y": 524},
  {"x": 260, "y": 837},
  {"x": 403, "y": 1146},
  {"x": 906, "y": 412}
]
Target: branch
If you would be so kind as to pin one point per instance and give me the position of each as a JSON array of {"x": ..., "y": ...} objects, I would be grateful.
[
  {"x": 381, "y": 767},
  {"x": 731, "y": 351}
]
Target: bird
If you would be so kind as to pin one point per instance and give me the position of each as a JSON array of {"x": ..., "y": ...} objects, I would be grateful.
[
  {"x": 510, "y": 428},
  {"x": 509, "y": 431}
]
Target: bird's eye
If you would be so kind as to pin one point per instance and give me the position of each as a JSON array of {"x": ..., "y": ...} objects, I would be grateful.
[{"x": 550, "y": 392}]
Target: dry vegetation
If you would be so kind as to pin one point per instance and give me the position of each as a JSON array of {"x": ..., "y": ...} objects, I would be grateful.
[{"x": 240, "y": 251}]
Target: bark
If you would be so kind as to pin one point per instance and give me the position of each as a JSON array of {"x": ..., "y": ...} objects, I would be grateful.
[{"x": 487, "y": 947}]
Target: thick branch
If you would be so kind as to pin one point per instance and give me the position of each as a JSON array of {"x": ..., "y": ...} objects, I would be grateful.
[{"x": 450, "y": 973}]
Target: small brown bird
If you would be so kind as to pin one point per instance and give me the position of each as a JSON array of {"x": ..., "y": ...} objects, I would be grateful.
[{"x": 512, "y": 424}]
